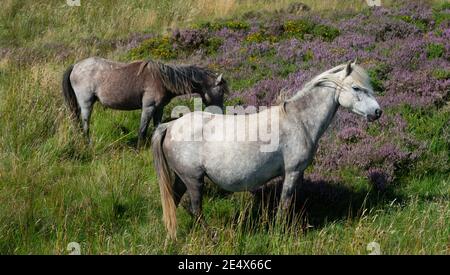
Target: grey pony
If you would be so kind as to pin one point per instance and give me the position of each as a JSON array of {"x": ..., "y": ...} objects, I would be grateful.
[{"x": 146, "y": 85}]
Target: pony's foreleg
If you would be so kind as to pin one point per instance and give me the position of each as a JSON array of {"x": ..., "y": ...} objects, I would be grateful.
[
  {"x": 157, "y": 117},
  {"x": 146, "y": 115},
  {"x": 291, "y": 180}
]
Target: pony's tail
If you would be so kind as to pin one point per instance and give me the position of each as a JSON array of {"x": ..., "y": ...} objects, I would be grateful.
[
  {"x": 165, "y": 181},
  {"x": 69, "y": 94}
]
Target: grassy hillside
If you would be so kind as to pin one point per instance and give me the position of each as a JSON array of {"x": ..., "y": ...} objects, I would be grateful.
[{"x": 387, "y": 182}]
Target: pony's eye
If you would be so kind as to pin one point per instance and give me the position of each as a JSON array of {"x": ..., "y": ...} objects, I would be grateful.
[{"x": 359, "y": 89}]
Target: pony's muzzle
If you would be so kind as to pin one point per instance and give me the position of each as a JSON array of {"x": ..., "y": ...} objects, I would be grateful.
[
  {"x": 378, "y": 113},
  {"x": 375, "y": 116}
]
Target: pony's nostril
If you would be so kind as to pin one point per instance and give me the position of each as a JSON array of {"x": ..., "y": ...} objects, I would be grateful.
[{"x": 378, "y": 112}]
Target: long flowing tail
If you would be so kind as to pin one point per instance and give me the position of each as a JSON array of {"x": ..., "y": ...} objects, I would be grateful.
[
  {"x": 165, "y": 181},
  {"x": 69, "y": 94}
]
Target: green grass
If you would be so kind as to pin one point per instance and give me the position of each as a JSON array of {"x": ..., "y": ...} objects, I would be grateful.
[
  {"x": 55, "y": 189},
  {"x": 300, "y": 28},
  {"x": 435, "y": 51},
  {"x": 431, "y": 126}
]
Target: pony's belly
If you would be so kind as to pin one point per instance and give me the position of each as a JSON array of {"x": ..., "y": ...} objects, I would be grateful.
[
  {"x": 120, "y": 101},
  {"x": 119, "y": 106},
  {"x": 243, "y": 184},
  {"x": 244, "y": 172}
]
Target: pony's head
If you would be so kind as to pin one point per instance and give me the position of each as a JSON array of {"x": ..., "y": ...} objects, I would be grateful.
[
  {"x": 218, "y": 87},
  {"x": 356, "y": 93},
  {"x": 188, "y": 79}
]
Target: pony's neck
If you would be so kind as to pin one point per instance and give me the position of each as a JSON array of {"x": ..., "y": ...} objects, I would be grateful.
[{"x": 314, "y": 110}]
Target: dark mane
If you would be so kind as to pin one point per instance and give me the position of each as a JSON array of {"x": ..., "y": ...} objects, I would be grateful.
[{"x": 181, "y": 79}]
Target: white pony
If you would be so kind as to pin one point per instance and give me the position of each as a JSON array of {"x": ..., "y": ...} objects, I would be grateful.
[{"x": 239, "y": 165}]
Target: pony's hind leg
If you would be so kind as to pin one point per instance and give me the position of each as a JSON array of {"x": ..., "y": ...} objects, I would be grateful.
[
  {"x": 86, "y": 107},
  {"x": 179, "y": 188},
  {"x": 195, "y": 190}
]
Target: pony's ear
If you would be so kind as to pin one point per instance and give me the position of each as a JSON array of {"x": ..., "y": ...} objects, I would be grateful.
[
  {"x": 219, "y": 79},
  {"x": 354, "y": 61},
  {"x": 349, "y": 69}
]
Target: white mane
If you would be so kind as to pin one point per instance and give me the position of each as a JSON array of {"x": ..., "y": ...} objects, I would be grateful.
[{"x": 358, "y": 73}]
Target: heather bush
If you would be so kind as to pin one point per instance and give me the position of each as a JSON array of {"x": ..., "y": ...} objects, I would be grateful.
[
  {"x": 212, "y": 45},
  {"x": 260, "y": 36},
  {"x": 328, "y": 33},
  {"x": 378, "y": 75},
  {"x": 189, "y": 39},
  {"x": 420, "y": 24},
  {"x": 156, "y": 47},
  {"x": 376, "y": 156},
  {"x": 264, "y": 92},
  {"x": 298, "y": 28},
  {"x": 303, "y": 28},
  {"x": 229, "y": 24}
]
